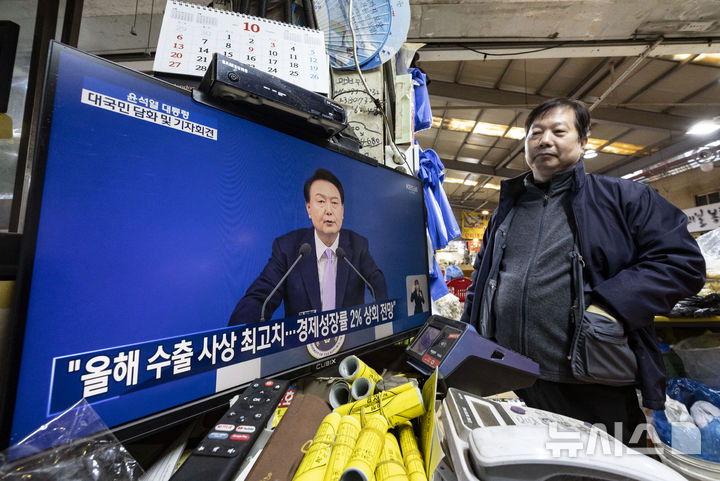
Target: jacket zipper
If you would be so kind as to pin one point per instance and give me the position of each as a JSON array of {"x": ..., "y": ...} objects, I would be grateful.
[
  {"x": 575, "y": 308},
  {"x": 523, "y": 319}
]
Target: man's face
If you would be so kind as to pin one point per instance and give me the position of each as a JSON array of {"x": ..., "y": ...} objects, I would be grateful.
[
  {"x": 553, "y": 145},
  {"x": 325, "y": 209}
]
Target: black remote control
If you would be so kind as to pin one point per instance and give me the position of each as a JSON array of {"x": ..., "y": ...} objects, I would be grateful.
[{"x": 221, "y": 453}]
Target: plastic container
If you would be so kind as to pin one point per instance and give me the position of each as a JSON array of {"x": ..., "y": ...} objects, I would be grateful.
[
  {"x": 701, "y": 357},
  {"x": 694, "y": 469}
]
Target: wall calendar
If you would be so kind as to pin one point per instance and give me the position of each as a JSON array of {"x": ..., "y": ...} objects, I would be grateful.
[{"x": 190, "y": 34}]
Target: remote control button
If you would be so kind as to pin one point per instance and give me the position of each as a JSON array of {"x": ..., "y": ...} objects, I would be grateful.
[
  {"x": 269, "y": 383},
  {"x": 231, "y": 451},
  {"x": 215, "y": 449},
  {"x": 200, "y": 449},
  {"x": 225, "y": 427},
  {"x": 241, "y": 419},
  {"x": 239, "y": 437},
  {"x": 255, "y": 385},
  {"x": 276, "y": 387},
  {"x": 257, "y": 415},
  {"x": 215, "y": 435},
  {"x": 251, "y": 407},
  {"x": 256, "y": 400},
  {"x": 245, "y": 429}
]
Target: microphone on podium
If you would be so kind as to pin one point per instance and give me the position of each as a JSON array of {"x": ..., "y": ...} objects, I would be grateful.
[
  {"x": 304, "y": 250},
  {"x": 340, "y": 252}
]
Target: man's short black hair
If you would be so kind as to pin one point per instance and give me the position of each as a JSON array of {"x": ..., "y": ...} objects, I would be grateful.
[
  {"x": 582, "y": 115},
  {"x": 323, "y": 174}
]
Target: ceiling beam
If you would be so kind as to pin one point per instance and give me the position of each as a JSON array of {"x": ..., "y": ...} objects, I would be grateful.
[
  {"x": 459, "y": 50},
  {"x": 450, "y": 91},
  {"x": 480, "y": 169},
  {"x": 472, "y": 206}
]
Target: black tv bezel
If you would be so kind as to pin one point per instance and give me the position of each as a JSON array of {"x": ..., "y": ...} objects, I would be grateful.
[{"x": 172, "y": 416}]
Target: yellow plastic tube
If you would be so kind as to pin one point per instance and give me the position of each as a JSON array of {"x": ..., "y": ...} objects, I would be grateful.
[
  {"x": 313, "y": 465},
  {"x": 411, "y": 454},
  {"x": 390, "y": 466},
  {"x": 347, "y": 434},
  {"x": 396, "y": 406},
  {"x": 365, "y": 454}
]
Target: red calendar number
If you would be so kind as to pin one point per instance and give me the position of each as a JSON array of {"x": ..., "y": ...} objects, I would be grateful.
[
  {"x": 174, "y": 64},
  {"x": 252, "y": 27}
]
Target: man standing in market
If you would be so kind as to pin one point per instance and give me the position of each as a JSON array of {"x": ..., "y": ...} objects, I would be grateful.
[{"x": 634, "y": 256}]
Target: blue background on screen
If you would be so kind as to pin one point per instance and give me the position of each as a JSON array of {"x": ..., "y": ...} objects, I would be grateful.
[{"x": 146, "y": 232}]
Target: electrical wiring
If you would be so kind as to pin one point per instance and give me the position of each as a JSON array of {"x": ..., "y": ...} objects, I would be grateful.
[
  {"x": 490, "y": 54},
  {"x": 377, "y": 103}
]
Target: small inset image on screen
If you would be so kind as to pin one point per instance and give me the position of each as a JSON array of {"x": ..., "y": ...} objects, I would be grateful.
[
  {"x": 418, "y": 294},
  {"x": 425, "y": 340}
]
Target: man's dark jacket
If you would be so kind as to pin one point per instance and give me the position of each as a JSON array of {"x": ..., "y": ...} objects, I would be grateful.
[
  {"x": 639, "y": 261},
  {"x": 301, "y": 290}
]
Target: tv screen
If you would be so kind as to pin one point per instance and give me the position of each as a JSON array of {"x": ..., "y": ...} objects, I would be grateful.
[{"x": 156, "y": 228}]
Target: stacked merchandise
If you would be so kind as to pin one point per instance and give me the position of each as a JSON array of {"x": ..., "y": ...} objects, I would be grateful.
[
  {"x": 707, "y": 302},
  {"x": 369, "y": 438}
]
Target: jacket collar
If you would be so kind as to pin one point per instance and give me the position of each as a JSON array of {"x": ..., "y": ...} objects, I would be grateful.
[{"x": 511, "y": 188}]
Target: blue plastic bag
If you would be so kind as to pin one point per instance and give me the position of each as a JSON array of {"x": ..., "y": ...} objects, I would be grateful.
[
  {"x": 688, "y": 391},
  {"x": 442, "y": 225},
  {"x": 423, "y": 113}
]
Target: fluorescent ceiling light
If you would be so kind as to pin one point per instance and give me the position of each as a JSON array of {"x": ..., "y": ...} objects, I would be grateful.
[
  {"x": 595, "y": 143},
  {"x": 494, "y": 130},
  {"x": 590, "y": 154},
  {"x": 621, "y": 148},
  {"x": 485, "y": 212},
  {"x": 704, "y": 127},
  {"x": 461, "y": 125},
  {"x": 454, "y": 180},
  {"x": 516, "y": 133}
]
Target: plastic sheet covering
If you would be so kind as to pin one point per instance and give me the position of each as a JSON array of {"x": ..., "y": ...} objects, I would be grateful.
[
  {"x": 689, "y": 391},
  {"x": 709, "y": 244},
  {"x": 423, "y": 113},
  {"x": 76, "y": 446}
]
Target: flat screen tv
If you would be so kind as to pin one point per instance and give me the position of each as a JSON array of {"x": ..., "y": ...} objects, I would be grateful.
[{"x": 150, "y": 217}]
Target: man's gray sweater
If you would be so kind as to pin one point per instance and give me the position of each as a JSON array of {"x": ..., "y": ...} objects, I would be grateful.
[{"x": 534, "y": 295}]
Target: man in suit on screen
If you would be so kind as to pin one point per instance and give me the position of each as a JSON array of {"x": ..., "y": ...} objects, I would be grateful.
[{"x": 321, "y": 280}]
